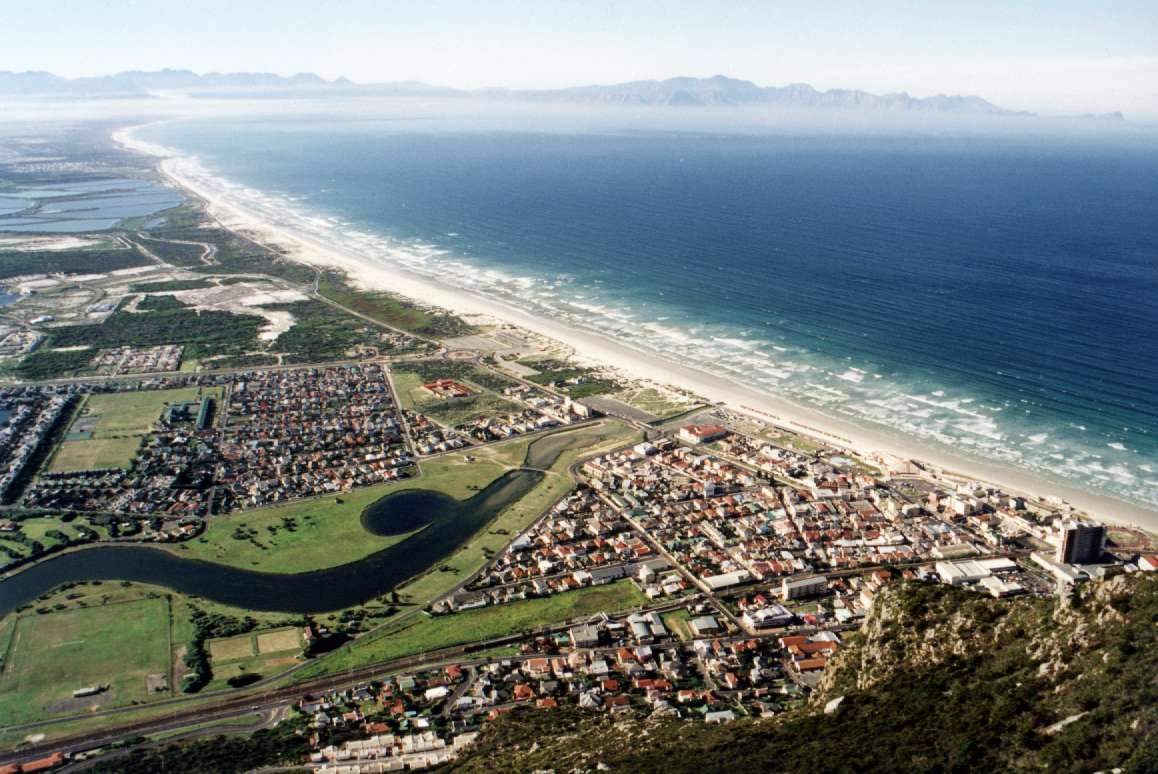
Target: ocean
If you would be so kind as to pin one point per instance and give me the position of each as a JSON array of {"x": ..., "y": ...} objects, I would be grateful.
[{"x": 996, "y": 296}]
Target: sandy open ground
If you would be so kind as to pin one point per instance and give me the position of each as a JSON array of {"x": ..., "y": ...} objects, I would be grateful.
[{"x": 637, "y": 363}]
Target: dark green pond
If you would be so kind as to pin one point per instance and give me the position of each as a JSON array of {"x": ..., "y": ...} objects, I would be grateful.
[{"x": 449, "y": 524}]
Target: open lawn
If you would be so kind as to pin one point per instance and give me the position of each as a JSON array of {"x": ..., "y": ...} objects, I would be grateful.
[
  {"x": 261, "y": 652},
  {"x": 460, "y": 411},
  {"x": 264, "y": 665},
  {"x": 53, "y": 654},
  {"x": 424, "y": 634},
  {"x": 411, "y": 394},
  {"x": 659, "y": 402},
  {"x": 231, "y": 648},
  {"x": 677, "y": 623},
  {"x": 95, "y": 453},
  {"x": 325, "y": 532},
  {"x": 456, "y": 411},
  {"x": 120, "y": 414},
  {"x": 38, "y": 529}
]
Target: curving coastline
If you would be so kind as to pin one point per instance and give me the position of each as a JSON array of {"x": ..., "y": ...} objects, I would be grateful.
[{"x": 234, "y": 212}]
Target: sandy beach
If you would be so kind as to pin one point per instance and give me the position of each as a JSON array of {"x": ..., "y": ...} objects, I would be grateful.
[{"x": 367, "y": 273}]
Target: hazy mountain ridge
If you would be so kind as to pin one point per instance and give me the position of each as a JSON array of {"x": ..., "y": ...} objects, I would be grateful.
[
  {"x": 682, "y": 91},
  {"x": 721, "y": 90},
  {"x": 136, "y": 84}
]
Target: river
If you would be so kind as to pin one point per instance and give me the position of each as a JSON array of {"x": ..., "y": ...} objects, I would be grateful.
[{"x": 450, "y": 523}]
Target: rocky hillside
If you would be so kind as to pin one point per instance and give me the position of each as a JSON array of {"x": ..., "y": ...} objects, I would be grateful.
[{"x": 937, "y": 680}]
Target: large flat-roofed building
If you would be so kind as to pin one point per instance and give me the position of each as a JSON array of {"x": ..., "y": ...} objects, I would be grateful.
[
  {"x": 584, "y": 636},
  {"x": 726, "y": 579},
  {"x": 1081, "y": 543},
  {"x": 696, "y": 434},
  {"x": 972, "y": 570},
  {"x": 1065, "y": 574},
  {"x": 804, "y": 587}
]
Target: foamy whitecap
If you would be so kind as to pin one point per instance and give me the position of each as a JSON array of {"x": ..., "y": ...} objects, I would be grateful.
[{"x": 912, "y": 405}]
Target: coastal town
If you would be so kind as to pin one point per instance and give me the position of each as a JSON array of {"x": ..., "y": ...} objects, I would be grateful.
[
  {"x": 751, "y": 559},
  {"x": 574, "y": 538}
]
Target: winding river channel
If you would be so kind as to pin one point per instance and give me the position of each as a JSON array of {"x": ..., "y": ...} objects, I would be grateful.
[{"x": 449, "y": 524}]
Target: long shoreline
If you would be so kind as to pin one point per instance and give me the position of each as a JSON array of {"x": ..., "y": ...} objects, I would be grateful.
[{"x": 633, "y": 362}]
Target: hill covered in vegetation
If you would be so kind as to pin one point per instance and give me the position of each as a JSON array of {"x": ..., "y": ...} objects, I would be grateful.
[{"x": 938, "y": 679}]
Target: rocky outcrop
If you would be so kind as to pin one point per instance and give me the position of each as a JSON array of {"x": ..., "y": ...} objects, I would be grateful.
[{"x": 938, "y": 679}]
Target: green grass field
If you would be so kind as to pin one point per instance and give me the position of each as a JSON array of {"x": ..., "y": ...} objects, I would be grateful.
[
  {"x": 134, "y": 413},
  {"x": 53, "y": 654},
  {"x": 116, "y": 422},
  {"x": 677, "y": 623},
  {"x": 92, "y": 614},
  {"x": 423, "y": 634},
  {"x": 408, "y": 387},
  {"x": 96, "y": 453},
  {"x": 660, "y": 403},
  {"x": 328, "y": 533},
  {"x": 264, "y": 652},
  {"x": 458, "y": 411},
  {"x": 37, "y": 529}
]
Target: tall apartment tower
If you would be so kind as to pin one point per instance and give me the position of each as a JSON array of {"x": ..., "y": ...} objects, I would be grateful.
[{"x": 1081, "y": 543}]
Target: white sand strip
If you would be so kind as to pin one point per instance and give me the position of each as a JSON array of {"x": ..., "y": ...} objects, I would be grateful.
[{"x": 637, "y": 363}]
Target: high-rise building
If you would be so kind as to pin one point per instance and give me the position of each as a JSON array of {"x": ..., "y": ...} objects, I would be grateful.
[{"x": 1081, "y": 543}]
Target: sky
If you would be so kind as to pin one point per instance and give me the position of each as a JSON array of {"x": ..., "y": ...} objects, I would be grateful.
[{"x": 1056, "y": 57}]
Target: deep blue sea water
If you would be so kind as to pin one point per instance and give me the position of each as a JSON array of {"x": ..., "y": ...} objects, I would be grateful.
[{"x": 998, "y": 296}]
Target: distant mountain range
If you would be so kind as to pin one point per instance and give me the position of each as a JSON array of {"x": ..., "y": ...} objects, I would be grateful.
[
  {"x": 139, "y": 84},
  {"x": 718, "y": 90},
  {"x": 721, "y": 90}
]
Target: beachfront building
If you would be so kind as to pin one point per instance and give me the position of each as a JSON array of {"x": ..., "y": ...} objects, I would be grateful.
[
  {"x": 696, "y": 434},
  {"x": 1081, "y": 543}
]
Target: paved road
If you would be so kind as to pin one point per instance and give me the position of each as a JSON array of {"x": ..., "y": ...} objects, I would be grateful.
[{"x": 275, "y": 698}]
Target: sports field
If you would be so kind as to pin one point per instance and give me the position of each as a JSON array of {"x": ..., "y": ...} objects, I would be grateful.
[
  {"x": 264, "y": 653},
  {"x": 114, "y": 647},
  {"x": 255, "y": 644},
  {"x": 108, "y": 429},
  {"x": 133, "y": 413},
  {"x": 411, "y": 394},
  {"x": 96, "y": 453}
]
